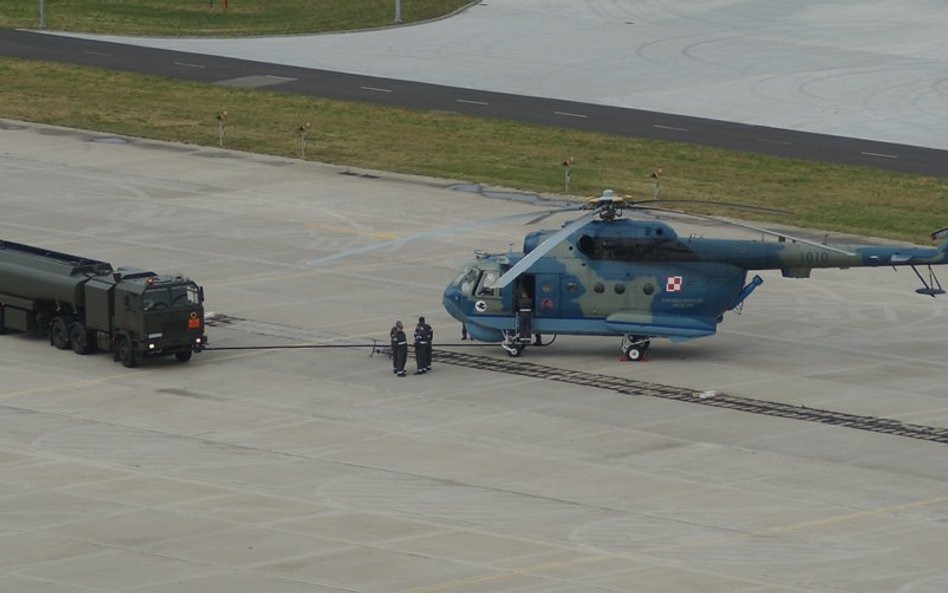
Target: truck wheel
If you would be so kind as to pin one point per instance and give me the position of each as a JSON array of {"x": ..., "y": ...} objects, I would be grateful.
[
  {"x": 79, "y": 339},
  {"x": 183, "y": 356},
  {"x": 59, "y": 334},
  {"x": 127, "y": 355}
]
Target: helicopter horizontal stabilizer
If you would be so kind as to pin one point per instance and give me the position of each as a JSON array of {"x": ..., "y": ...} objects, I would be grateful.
[{"x": 666, "y": 326}]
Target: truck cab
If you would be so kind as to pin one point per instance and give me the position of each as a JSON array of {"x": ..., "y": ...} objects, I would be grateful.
[{"x": 156, "y": 315}]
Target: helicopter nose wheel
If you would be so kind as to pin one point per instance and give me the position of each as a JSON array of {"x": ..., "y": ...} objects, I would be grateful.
[
  {"x": 512, "y": 345},
  {"x": 634, "y": 347}
]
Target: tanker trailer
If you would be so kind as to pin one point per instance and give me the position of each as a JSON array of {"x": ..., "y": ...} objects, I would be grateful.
[{"x": 86, "y": 305}]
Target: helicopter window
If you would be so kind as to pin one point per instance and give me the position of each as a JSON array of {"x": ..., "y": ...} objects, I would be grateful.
[
  {"x": 648, "y": 289},
  {"x": 469, "y": 281},
  {"x": 620, "y": 288},
  {"x": 460, "y": 277},
  {"x": 586, "y": 245},
  {"x": 599, "y": 287},
  {"x": 484, "y": 286}
]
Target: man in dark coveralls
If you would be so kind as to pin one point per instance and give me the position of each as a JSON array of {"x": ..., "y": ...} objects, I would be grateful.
[
  {"x": 524, "y": 315},
  {"x": 423, "y": 337},
  {"x": 399, "y": 349}
]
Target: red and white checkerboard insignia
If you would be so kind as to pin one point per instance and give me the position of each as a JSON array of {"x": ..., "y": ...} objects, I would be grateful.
[{"x": 673, "y": 284}]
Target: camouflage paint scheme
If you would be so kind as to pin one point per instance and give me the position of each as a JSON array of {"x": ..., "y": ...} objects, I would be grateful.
[{"x": 627, "y": 277}]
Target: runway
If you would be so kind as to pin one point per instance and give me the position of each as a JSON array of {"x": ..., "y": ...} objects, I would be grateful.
[
  {"x": 304, "y": 470},
  {"x": 839, "y": 68}
]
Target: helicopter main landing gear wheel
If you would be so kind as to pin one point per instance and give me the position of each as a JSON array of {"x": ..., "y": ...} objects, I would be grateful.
[{"x": 634, "y": 347}]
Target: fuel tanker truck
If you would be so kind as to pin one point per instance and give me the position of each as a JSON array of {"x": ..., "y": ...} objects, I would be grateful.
[{"x": 86, "y": 305}]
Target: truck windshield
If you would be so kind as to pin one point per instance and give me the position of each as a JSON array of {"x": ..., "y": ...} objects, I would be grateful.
[{"x": 159, "y": 298}]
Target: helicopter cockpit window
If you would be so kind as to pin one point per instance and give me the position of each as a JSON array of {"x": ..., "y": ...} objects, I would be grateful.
[
  {"x": 484, "y": 287},
  {"x": 457, "y": 280},
  {"x": 469, "y": 280}
]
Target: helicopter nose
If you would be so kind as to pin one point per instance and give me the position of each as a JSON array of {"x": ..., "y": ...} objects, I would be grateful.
[{"x": 452, "y": 302}]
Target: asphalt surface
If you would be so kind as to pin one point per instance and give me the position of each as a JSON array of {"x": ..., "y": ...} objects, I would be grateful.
[
  {"x": 318, "y": 471},
  {"x": 293, "y": 471},
  {"x": 469, "y": 101}
]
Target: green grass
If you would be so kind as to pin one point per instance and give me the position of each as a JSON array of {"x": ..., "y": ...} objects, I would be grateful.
[
  {"x": 209, "y": 17},
  {"x": 824, "y": 196},
  {"x": 821, "y": 196}
]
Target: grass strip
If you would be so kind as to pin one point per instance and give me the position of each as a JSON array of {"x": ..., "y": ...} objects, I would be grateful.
[
  {"x": 213, "y": 18},
  {"x": 824, "y": 196}
]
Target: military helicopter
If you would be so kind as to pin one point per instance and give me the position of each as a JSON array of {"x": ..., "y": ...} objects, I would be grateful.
[{"x": 608, "y": 275}]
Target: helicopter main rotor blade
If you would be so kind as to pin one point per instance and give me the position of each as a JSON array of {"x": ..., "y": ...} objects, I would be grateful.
[
  {"x": 788, "y": 237},
  {"x": 550, "y": 213},
  {"x": 751, "y": 227},
  {"x": 639, "y": 205},
  {"x": 738, "y": 224},
  {"x": 542, "y": 249},
  {"x": 422, "y": 235}
]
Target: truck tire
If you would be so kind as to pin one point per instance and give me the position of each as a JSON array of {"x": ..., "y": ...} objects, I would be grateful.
[
  {"x": 183, "y": 356},
  {"x": 79, "y": 338},
  {"x": 127, "y": 354},
  {"x": 59, "y": 334}
]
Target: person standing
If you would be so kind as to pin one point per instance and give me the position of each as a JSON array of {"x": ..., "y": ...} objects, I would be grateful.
[
  {"x": 391, "y": 338},
  {"x": 399, "y": 349},
  {"x": 657, "y": 183},
  {"x": 424, "y": 335},
  {"x": 524, "y": 315}
]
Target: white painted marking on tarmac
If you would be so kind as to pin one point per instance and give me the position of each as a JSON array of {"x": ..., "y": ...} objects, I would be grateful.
[
  {"x": 769, "y": 141},
  {"x": 187, "y": 65},
  {"x": 879, "y": 154},
  {"x": 96, "y": 53},
  {"x": 256, "y": 81},
  {"x": 375, "y": 89},
  {"x": 568, "y": 114},
  {"x": 672, "y": 128},
  {"x": 472, "y": 102}
]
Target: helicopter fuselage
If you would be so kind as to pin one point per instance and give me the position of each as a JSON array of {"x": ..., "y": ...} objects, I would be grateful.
[{"x": 639, "y": 278}]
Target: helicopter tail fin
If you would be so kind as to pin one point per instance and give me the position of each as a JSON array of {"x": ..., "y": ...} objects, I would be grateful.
[{"x": 942, "y": 235}]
